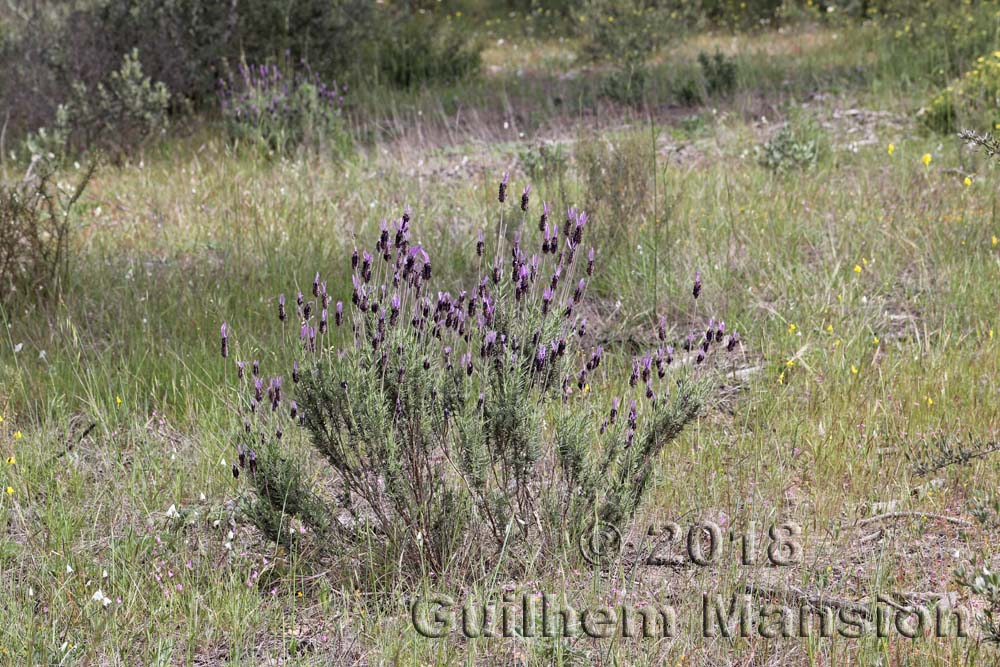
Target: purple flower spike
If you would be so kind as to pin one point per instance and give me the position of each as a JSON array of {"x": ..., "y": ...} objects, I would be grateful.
[
  {"x": 502, "y": 196},
  {"x": 295, "y": 371},
  {"x": 479, "y": 244},
  {"x": 733, "y": 340},
  {"x": 697, "y": 284},
  {"x": 240, "y": 365},
  {"x": 339, "y": 313},
  {"x": 590, "y": 262},
  {"x": 225, "y": 341},
  {"x": 720, "y": 332},
  {"x": 281, "y": 307},
  {"x": 525, "y": 196},
  {"x": 544, "y": 218},
  {"x": 322, "y": 322},
  {"x": 316, "y": 285}
]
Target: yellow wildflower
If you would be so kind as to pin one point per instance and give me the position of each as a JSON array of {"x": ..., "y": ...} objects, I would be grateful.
[
  {"x": 857, "y": 268},
  {"x": 829, "y": 328},
  {"x": 967, "y": 181},
  {"x": 995, "y": 242},
  {"x": 781, "y": 378},
  {"x": 790, "y": 363},
  {"x": 118, "y": 400},
  {"x": 836, "y": 343},
  {"x": 11, "y": 460},
  {"x": 874, "y": 340},
  {"x": 926, "y": 159},
  {"x": 18, "y": 435},
  {"x": 792, "y": 328},
  {"x": 10, "y": 490},
  {"x": 891, "y": 149},
  {"x": 854, "y": 369},
  {"x": 930, "y": 401}
]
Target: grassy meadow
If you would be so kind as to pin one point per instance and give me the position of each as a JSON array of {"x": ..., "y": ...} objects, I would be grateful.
[{"x": 862, "y": 403}]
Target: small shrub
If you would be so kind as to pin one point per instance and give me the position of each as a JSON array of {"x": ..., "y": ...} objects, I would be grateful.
[
  {"x": 122, "y": 112},
  {"x": 280, "y": 109},
  {"x": 421, "y": 49},
  {"x": 615, "y": 171},
  {"x": 546, "y": 163},
  {"x": 35, "y": 231},
  {"x": 982, "y": 579},
  {"x": 115, "y": 116},
  {"x": 975, "y": 97},
  {"x": 792, "y": 148},
  {"x": 622, "y": 33},
  {"x": 461, "y": 428},
  {"x": 719, "y": 72}
]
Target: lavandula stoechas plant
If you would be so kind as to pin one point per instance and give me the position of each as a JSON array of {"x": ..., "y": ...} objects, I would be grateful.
[
  {"x": 450, "y": 416},
  {"x": 282, "y": 107}
]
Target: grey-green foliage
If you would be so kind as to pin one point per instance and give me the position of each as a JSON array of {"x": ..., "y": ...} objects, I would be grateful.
[
  {"x": 792, "y": 148},
  {"x": 982, "y": 579},
  {"x": 459, "y": 429},
  {"x": 115, "y": 115}
]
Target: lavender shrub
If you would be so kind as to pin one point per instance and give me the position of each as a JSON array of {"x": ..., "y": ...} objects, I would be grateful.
[
  {"x": 280, "y": 109},
  {"x": 459, "y": 426}
]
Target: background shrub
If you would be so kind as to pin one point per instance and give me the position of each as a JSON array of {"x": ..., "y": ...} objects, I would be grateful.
[
  {"x": 35, "y": 230},
  {"x": 796, "y": 146},
  {"x": 279, "y": 109}
]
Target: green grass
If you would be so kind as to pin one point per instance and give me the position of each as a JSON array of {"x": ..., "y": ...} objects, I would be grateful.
[{"x": 119, "y": 393}]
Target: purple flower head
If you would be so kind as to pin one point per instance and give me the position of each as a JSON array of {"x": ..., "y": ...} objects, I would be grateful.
[
  {"x": 701, "y": 357},
  {"x": 546, "y": 300},
  {"x": 590, "y": 262},
  {"x": 256, "y": 368},
  {"x": 240, "y": 365},
  {"x": 696, "y": 290},
  {"x": 720, "y": 331},
  {"x": 316, "y": 285},
  {"x": 338, "y": 313},
  {"x": 479, "y": 244},
  {"x": 582, "y": 328},
  {"x": 322, "y": 322},
  {"x": 225, "y": 340},
  {"x": 545, "y": 216},
  {"x": 524, "y": 197},
  {"x": 281, "y": 307},
  {"x": 354, "y": 260},
  {"x": 614, "y": 409},
  {"x": 299, "y": 300},
  {"x": 366, "y": 266},
  {"x": 502, "y": 195},
  {"x": 733, "y": 340},
  {"x": 293, "y": 409},
  {"x": 295, "y": 371},
  {"x": 661, "y": 331}
]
